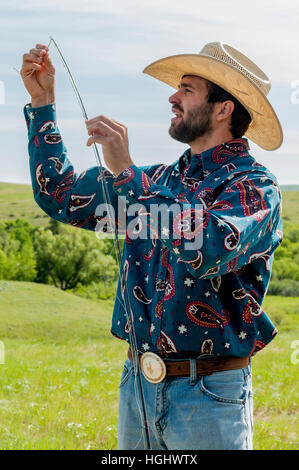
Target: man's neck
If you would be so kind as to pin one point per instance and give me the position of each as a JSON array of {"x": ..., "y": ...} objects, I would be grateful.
[{"x": 209, "y": 141}]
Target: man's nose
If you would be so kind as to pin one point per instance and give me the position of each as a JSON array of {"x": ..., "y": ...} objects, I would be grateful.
[{"x": 174, "y": 98}]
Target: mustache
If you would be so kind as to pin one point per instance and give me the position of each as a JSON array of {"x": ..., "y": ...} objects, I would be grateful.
[{"x": 177, "y": 108}]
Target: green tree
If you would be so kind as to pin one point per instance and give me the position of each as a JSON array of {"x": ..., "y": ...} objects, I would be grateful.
[
  {"x": 72, "y": 258},
  {"x": 285, "y": 273},
  {"x": 54, "y": 226},
  {"x": 17, "y": 260}
]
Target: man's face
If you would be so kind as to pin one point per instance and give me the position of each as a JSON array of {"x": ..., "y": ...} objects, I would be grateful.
[{"x": 192, "y": 112}]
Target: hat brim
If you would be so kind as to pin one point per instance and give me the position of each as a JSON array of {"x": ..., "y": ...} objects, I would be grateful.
[{"x": 264, "y": 130}]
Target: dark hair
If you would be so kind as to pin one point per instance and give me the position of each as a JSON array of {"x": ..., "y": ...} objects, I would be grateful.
[{"x": 240, "y": 118}]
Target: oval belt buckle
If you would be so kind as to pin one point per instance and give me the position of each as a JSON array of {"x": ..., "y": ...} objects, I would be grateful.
[{"x": 152, "y": 367}]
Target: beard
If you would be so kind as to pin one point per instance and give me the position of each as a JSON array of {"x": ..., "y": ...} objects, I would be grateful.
[{"x": 196, "y": 124}]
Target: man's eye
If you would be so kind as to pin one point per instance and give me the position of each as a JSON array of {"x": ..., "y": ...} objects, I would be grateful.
[{"x": 187, "y": 90}]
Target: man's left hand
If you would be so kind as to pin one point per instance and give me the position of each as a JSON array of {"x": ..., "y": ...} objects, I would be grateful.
[{"x": 114, "y": 140}]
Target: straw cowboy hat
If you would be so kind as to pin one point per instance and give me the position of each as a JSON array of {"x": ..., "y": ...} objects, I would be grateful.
[{"x": 235, "y": 73}]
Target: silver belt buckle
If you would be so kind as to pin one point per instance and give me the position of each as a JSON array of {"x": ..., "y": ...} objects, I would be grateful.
[{"x": 152, "y": 367}]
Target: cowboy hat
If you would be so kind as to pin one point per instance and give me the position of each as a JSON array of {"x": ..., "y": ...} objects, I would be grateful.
[{"x": 234, "y": 72}]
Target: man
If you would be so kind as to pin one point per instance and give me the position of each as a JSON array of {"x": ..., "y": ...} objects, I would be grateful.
[{"x": 197, "y": 307}]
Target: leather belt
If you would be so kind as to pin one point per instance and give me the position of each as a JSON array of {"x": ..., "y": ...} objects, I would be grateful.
[{"x": 155, "y": 369}]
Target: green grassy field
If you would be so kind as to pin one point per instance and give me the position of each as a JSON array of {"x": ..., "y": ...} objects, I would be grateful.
[
  {"x": 290, "y": 206},
  {"x": 16, "y": 201},
  {"x": 59, "y": 382}
]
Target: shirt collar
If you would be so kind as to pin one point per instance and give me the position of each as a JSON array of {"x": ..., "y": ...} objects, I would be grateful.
[{"x": 218, "y": 156}]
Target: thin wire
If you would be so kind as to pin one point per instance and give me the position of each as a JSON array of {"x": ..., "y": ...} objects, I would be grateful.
[
  {"x": 94, "y": 146},
  {"x": 97, "y": 155},
  {"x": 130, "y": 316}
]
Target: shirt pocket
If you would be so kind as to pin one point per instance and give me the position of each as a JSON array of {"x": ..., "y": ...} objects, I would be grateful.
[{"x": 229, "y": 386}]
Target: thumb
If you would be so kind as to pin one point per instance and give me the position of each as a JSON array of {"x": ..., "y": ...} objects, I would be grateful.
[{"x": 48, "y": 62}]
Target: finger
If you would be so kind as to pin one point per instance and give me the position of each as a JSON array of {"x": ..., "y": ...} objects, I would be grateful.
[
  {"x": 108, "y": 121},
  {"x": 27, "y": 66},
  {"x": 91, "y": 121},
  {"x": 37, "y": 52},
  {"x": 47, "y": 61},
  {"x": 102, "y": 128},
  {"x": 26, "y": 71},
  {"x": 44, "y": 58},
  {"x": 31, "y": 58},
  {"x": 101, "y": 117},
  {"x": 96, "y": 138},
  {"x": 120, "y": 124},
  {"x": 41, "y": 46}
]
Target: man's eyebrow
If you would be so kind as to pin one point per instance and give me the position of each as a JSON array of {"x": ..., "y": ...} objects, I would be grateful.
[{"x": 186, "y": 85}]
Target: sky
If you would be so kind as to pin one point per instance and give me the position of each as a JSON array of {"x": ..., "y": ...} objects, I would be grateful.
[{"x": 108, "y": 44}]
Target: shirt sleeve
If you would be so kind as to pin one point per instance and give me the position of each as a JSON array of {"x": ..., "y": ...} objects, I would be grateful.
[
  {"x": 242, "y": 224},
  {"x": 75, "y": 199}
]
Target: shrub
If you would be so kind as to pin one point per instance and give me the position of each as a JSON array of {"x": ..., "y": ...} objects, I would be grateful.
[
  {"x": 17, "y": 259},
  {"x": 285, "y": 287}
]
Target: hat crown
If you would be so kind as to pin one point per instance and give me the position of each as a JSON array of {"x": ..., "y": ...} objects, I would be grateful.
[{"x": 230, "y": 56}]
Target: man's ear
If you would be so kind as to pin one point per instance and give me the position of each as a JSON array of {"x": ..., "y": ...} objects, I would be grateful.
[{"x": 225, "y": 110}]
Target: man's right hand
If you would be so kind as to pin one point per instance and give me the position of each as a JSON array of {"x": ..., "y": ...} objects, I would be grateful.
[{"x": 38, "y": 74}]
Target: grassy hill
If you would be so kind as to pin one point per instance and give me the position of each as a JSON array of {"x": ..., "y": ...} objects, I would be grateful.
[
  {"x": 290, "y": 206},
  {"x": 59, "y": 382},
  {"x": 290, "y": 187},
  {"x": 16, "y": 200}
]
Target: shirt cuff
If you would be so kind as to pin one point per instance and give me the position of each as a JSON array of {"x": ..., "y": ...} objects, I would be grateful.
[{"x": 42, "y": 119}]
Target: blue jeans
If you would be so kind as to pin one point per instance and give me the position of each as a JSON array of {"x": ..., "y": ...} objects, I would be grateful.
[{"x": 188, "y": 413}]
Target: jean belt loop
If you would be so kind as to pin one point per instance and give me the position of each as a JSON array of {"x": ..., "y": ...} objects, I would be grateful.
[{"x": 193, "y": 374}]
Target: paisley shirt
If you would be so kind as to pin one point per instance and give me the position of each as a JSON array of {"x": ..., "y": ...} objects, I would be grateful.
[{"x": 186, "y": 298}]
